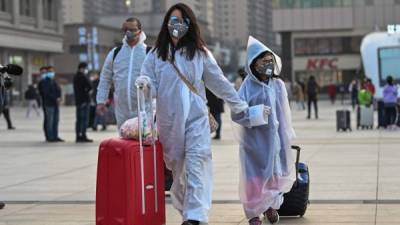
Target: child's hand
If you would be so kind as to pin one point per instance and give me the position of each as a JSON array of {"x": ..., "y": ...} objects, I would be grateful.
[{"x": 267, "y": 110}]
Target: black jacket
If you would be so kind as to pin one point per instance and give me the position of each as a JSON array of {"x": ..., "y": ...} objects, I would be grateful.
[
  {"x": 95, "y": 84},
  {"x": 31, "y": 94},
  {"x": 216, "y": 104},
  {"x": 49, "y": 91},
  {"x": 82, "y": 89},
  {"x": 312, "y": 88}
]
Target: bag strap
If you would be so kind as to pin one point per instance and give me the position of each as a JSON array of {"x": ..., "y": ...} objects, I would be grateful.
[
  {"x": 186, "y": 81},
  {"x": 115, "y": 53}
]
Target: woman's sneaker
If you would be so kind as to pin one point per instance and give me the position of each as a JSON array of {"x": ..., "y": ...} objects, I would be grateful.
[
  {"x": 272, "y": 215},
  {"x": 255, "y": 221}
]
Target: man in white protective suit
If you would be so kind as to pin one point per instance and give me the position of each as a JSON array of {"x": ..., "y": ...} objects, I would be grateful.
[
  {"x": 121, "y": 68},
  {"x": 182, "y": 115}
]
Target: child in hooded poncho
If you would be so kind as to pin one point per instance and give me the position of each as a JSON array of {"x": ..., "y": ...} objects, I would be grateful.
[{"x": 267, "y": 168}]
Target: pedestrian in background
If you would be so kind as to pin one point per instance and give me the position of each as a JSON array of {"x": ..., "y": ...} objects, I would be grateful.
[
  {"x": 353, "y": 89},
  {"x": 288, "y": 86},
  {"x": 82, "y": 89},
  {"x": 43, "y": 74},
  {"x": 298, "y": 96},
  {"x": 51, "y": 95},
  {"x": 216, "y": 106},
  {"x": 332, "y": 91},
  {"x": 239, "y": 80},
  {"x": 32, "y": 96},
  {"x": 98, "y": 118},
  {"x": 312, "y": 96},
  {"x": 369, "y": 86},
  {"x": 390, "y": 94},
  {"x": 6, "y": 110}
]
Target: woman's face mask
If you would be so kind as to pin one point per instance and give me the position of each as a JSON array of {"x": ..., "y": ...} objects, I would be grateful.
[
  {"x": 265, "y": 65},
  {"x": 178, "y": 27}
]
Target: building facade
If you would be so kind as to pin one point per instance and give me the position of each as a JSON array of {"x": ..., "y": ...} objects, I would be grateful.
[
  {"x": 322, "y": 38},
  {"x": 31, "y": 34},
  {"x": 235, "y": 20},
  {"x": 89, "y": 11}
]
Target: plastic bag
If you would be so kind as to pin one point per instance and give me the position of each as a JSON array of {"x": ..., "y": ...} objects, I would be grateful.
[{"x": 130, "y": 128}]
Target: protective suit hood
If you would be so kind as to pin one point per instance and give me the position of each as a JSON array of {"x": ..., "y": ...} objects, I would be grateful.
[{"x": 254, "y": 49}]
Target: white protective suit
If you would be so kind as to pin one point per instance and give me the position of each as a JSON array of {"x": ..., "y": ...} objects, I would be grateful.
[
  {"x": 182, "y": 120},
  {"x": 123, "y": 73},
  {"x": 267, "y": 163}
]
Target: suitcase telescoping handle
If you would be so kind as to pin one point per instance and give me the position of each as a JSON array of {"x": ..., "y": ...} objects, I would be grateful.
[
  {"x": 297, "y": 148},
  {"x": 142, "y": 107}
]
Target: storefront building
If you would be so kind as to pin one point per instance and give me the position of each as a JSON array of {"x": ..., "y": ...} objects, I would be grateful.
[
  {"x": 322, "y": 38},
  {"x": 30, "y": 35}
]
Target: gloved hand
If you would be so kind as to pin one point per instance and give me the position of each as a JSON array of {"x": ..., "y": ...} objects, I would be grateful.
[
  {"x": 267, "y": 110},
  {"x": 143, "y": 81}
]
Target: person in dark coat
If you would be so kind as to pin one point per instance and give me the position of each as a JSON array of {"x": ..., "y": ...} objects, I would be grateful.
[
  {"x": 6, "y": 110},
  {"x": 31, "y": 96},
  {"x": 51, "y": 95},
  {"x": 98, "y": 118},
  {"x": 312, "y": 96},
  {"x": 43, "y": 74},
  {"x": 216, "y": 106},
  {"x": 82, "y": 89}
]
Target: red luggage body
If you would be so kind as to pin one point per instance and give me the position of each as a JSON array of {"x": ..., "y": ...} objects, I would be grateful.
[{"x": 119, "y": 196}]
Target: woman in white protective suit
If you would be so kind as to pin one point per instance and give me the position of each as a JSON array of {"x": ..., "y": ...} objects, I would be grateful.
[
  {"x": 182, "y": 116},
  {"x": 267, "y": 165}
]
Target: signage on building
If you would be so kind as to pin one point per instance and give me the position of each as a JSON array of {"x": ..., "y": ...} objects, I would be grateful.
[
  {"x": 322, "y": 64},
  {"x": 393, "y": 28},
  {"x": 90, "y": 39}
]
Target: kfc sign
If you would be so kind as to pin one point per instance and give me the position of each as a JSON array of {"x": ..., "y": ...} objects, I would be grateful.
[{"x": 322, "y": 63}]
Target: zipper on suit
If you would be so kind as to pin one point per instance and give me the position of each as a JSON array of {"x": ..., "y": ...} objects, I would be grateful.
[{"x": 129, "y": 80}]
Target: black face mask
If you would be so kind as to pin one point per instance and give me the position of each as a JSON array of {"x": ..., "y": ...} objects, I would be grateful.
[{"x": 266, "y": 69}]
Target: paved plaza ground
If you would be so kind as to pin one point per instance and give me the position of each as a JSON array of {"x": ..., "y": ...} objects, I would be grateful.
[{"x": 354, "y": 175}]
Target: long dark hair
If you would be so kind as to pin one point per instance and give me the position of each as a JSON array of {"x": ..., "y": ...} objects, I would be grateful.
[{"x": 192, "y": 40}]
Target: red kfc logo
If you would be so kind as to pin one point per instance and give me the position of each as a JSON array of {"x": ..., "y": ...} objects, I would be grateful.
[{"x": 322, "y": 63}]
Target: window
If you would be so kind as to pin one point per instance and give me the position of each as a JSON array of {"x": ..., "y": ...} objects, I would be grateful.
[
  {"x": 27, "y": 8},
  {"x": 5, "y": 5},
  {"x": 389, "y": 59},
  {"x": 336, "y": 45},
  {"x": 313, "y": 3},
  {"x": 327, "y": 45},
  {"x": 49, "y": 10}
]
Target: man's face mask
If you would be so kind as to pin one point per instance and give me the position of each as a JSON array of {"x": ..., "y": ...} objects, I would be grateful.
[
  {"x": 178, "y": 27},
  {"x": 131, "y": 35},
  {"x": 51, "y": 74},
  {"x": 266, "y": 66}
]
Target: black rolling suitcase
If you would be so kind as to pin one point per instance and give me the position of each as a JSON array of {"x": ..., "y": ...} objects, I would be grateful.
[
  {"x": 343, "y": 121},
  {"x": 296, "y": 201}
]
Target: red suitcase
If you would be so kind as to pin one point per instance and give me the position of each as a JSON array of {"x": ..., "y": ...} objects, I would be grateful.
[
  {"x": 130, "y": 183},
  {"x": 119, "y": 197}
]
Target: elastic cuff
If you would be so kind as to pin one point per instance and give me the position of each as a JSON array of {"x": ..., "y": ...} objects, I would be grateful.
[{"x": 256, "y": 116}]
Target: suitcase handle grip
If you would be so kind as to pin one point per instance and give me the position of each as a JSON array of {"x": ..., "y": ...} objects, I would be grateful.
[{"x": 298, "y": 149}]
